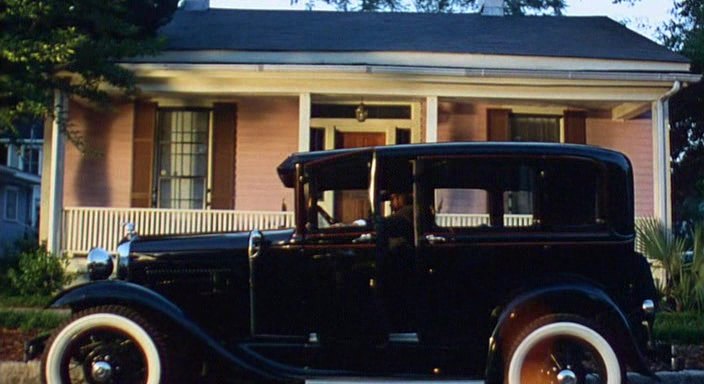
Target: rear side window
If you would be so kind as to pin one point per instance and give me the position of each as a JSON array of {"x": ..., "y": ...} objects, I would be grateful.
[{"x": 512, "y": 193}]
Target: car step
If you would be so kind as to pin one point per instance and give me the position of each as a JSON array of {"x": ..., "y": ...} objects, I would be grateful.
[{"x": 386, "y": 380}]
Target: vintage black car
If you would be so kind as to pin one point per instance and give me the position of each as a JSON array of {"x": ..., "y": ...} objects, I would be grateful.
[{"x": 509, "y": 263}]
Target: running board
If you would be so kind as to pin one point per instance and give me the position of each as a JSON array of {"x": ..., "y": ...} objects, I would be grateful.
[
  {"x": 405, "y": 338},
  {"x": 389, "y": 380}
]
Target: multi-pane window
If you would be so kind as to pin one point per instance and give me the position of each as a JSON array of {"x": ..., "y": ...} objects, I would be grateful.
[
  {"x": 535, "y": 128},
  {"x": 182, "y": 158},
  {"x": 25, "y": 156},
  {"x": 11, "y": 204}
]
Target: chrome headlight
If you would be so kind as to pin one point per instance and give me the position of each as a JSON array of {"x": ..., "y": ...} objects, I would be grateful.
[{"x": 100, "y": 264}]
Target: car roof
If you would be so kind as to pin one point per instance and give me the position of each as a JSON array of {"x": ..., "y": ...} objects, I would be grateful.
[{"x": 287, "y": 168}]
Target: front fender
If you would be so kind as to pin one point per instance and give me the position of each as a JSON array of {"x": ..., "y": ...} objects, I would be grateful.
[
  {"x": 109, "y": 292},
  {"x": 115, "y": 292},
  {"x": 579, "y": 299}
]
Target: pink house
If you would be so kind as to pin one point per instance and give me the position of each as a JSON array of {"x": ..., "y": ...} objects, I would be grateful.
[{"x": 236, "y": 91}]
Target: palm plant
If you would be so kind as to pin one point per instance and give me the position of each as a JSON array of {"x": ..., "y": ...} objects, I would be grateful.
[{"x": 665, "y": 249}]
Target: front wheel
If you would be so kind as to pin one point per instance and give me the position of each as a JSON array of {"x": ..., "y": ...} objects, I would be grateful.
[
  {"x": 107, "y": 344},
  {"x": 562, "y": 349}
]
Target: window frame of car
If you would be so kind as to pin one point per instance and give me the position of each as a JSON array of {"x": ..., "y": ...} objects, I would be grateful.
[
  {"x": 600, "y": 227},
  {"x": 311, "y": 190}
]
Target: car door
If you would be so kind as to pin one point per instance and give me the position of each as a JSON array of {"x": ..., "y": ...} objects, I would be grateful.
[
  {"x": 341, "y": 243},
  {"x": 462, "y": 246}
]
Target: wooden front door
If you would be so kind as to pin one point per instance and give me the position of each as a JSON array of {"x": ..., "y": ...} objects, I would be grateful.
[{"x": 353, "y": 205}]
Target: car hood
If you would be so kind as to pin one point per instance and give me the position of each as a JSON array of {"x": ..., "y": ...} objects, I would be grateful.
[{"x": 203, "y": 243}]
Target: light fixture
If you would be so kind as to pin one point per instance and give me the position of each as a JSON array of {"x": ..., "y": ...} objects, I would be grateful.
[{"x": 360, "y": 113}]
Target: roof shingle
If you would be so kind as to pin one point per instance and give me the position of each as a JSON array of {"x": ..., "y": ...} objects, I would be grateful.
[{"x": 311, "y": 31}]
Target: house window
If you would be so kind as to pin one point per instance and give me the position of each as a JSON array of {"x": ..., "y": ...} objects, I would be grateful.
[
  {"x": 31, "y": 159},
  {"x": 11, "y": 204},
  {"x": 534, "y": 128},
  {"x": 403, "y": 136},
  {"x": 347, "y": 111},
  {"x": 182, "y": 158},
  {"x": 4, "y": 154},
  {"x": 317, "y": 139}
]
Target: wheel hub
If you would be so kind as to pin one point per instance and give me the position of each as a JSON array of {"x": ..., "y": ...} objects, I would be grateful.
[
  {"x": 101, "y": 371},
  {"x": 566, "y": 376}
]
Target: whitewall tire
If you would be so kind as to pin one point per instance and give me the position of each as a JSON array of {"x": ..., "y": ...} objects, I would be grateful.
[
  {"x": 107, "y": 344},
  {"x": 562, "y": 350}
]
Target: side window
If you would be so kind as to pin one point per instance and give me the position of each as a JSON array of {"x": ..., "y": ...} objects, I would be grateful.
[
  {"x": 338, "y": 193},
  {"x": 514, "y": 193},
  {"x": 11, "y": 204}
]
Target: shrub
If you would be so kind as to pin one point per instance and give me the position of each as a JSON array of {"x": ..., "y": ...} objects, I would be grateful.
[
  {"x": 682, "y": 287},
  {"x": 680, "y": 328},
  {"x": 11, "y": 257},
  {"x": 39, "y": 273},
  {"x": 31, "y": 320}
]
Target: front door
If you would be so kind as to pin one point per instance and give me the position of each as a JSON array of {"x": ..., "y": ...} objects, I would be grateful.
[{"x": 352, "y": 205}]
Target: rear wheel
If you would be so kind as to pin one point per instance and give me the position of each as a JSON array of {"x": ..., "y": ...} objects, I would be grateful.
[
  {"x": 106, "y": 344},
  {"x": 562, "y": 349}
]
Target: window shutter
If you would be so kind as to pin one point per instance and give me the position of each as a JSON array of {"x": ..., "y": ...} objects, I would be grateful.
[
  {"x": 224, "y": 143},
  {"x": 575, "y": 127},
  {"x": 143, "y": 154},
  {"x": 497, "y": 123}
]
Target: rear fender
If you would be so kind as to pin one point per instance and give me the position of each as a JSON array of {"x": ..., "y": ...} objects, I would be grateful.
[{"x": 578, "y": 299}]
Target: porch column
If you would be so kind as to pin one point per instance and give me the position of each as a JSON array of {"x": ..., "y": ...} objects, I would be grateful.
[
  {"x": 431, "y": 119},
  {"x": 662, "y": 192},
  {"x": 52, "y": 209},
  {"x": 304, "y": 122}
]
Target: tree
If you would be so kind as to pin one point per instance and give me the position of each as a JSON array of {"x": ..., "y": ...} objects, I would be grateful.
[
  {"x": 71, "y": 46},
  {"x": 685, "y": 34},
  {"x": 513, "y": 7}
]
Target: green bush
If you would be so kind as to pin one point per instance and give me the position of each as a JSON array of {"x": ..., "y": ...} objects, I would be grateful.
[
  {"x": 39, "y": 273},
  {"x": 679, "y": 327},
  {"x": 682, "y": 288},
  {"x": 7, "y": 299},
  {"x": 11, "y": 256},
  {"x": 31, "y": 320}
]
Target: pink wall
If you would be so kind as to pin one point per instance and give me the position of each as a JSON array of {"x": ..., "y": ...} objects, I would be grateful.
[
  {"x": 634, "y": 138},
  {"x": 100, "y": 176},
  {"x": 267, "y": 132}
]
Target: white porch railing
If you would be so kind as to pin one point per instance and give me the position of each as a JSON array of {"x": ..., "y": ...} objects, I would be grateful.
[
  {"x": 475, "y": 220},
  {"x": 87, "y": 227}
]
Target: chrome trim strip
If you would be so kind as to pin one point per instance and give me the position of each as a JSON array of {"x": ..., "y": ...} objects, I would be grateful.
[
  {"x": 123, "y": 259},
  {"x": 253, "y": 248},
  {"x": 410, "y": 337},
  {"x": 313, "y": 338}
]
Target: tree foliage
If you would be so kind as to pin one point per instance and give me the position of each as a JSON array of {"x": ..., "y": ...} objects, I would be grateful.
[
  {"x": 684, "y": 33},
  {"x": 72, "y": 46},
  {"x": 513, "y": 7}
]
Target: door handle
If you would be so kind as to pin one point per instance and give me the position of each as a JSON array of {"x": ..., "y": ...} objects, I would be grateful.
[
  {"x": 433, "y": 239},
  {"x": 363, "y": 238}
]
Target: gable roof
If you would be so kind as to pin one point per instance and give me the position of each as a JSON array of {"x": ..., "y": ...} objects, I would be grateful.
[{"x": 314, "y": 31}]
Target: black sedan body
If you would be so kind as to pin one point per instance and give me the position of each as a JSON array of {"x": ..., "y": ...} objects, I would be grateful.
[{"x": 514, "y": 253}]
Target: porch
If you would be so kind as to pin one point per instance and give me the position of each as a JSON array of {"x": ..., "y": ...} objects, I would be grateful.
[
  {"x": 196, "y": 157},
  {"x": 86, "y": 227}
]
